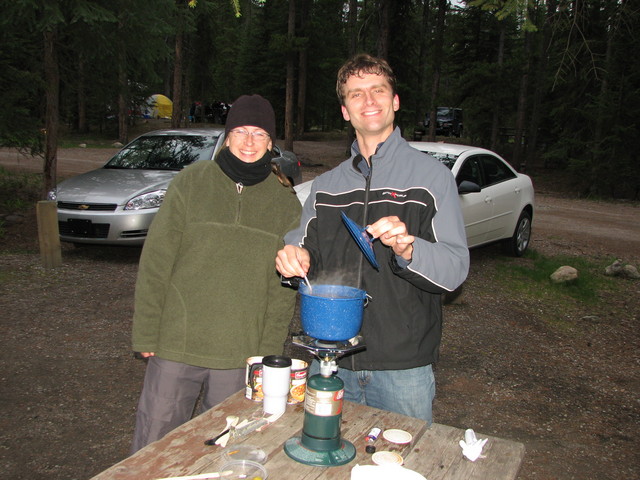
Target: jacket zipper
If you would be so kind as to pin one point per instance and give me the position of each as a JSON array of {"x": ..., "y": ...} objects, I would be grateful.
[
  {"x": 365, "y": 213},
  {"x": 239, "y": 188},
  {"x": 364, "y": 224}
]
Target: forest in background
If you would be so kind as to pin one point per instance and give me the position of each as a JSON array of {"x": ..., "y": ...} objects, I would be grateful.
[{"x": 547, "y": 83}]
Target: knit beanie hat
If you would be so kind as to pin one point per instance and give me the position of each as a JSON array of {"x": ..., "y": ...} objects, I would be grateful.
[{"x": 252, "y": 110}]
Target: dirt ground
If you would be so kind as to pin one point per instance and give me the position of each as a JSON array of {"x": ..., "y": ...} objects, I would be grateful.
[{"x": 561, "y": 377}]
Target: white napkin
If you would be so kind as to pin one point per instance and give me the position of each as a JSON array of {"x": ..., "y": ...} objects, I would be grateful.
[{"x": 472, "y": 446}]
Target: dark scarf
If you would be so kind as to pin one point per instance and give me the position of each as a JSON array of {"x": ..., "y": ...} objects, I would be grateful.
[{"x": 242, "y": 172}]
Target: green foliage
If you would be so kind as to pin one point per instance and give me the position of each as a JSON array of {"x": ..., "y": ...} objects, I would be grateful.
[
  {"x": 580, "y": 76},
  {"x": 326, "y": 52},
  {"x": 503, "y": 9},
  {"x": 20, "y": 82},
  {"x": 18, "y": 191}
]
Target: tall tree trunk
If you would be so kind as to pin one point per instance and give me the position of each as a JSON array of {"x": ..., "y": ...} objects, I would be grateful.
[
  {"x": 123, "y": 113},
  {"x": 83, "y": 125},
  {"x": 176, "y": 117},
  {"x": 518, "y": 159},
  {"x": 420, "y": 108},
  {"x": 52, "y": 93},
  {"x": 495, "y": 121},
  {"x": 598, "y": 166},
  {"x": 353, "y": 49},
  {"x": 302, "y": 72},
  {"x": 383, "y": 37},
  {"x": 291, "y": 80},
  {"x": 604, "y": 83},
  {"x": 353, "y": 27},
  {"x": 540, "y": 84},
  {"x": 437, "y": 65}
]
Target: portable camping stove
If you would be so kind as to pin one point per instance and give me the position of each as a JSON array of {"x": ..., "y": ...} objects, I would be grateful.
[{"x": 320, "y": 443}]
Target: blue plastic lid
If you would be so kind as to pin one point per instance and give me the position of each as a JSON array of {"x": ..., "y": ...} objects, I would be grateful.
[{"x": 362, "y": 238}]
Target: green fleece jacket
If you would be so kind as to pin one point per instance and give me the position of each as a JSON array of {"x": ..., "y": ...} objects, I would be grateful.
[{"x": 207, "y": 292}]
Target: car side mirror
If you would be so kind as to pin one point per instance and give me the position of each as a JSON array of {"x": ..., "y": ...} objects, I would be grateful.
[{"x": 467, "y": 186}]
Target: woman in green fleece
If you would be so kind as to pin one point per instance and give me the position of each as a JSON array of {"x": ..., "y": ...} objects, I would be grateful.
[{"x": 207, "y": 294}]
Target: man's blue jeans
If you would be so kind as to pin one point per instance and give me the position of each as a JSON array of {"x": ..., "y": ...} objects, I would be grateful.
[{"x": 409, "y": 392}]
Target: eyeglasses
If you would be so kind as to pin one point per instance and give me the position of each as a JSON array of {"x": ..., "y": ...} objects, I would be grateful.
[{"x": 256, "y": 136}]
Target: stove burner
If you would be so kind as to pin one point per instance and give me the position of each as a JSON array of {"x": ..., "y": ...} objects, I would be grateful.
[
  {"x": 326, "y": 343},
  {"x": 324, "y": 348}
]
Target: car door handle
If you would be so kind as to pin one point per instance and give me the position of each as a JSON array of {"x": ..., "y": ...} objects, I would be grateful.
[
  {"x": 517, "y": 189},
  {"x": 488, "y": 199}
]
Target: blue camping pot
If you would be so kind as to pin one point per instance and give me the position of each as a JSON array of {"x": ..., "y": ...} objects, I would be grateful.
[{"x": 331, "y": 312}]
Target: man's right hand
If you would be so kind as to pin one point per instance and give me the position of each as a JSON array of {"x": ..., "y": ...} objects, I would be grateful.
[{"x": 293, "y": 261}]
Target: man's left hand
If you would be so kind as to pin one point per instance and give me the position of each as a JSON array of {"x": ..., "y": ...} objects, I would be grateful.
[{"x": 392, "y": 232}]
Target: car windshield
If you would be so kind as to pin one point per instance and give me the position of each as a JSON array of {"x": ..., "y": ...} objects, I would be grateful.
[
  {"x": 444, "y": 112},
  {"x": 447, "y": 158},
  {"x": 164, "y": 152}
]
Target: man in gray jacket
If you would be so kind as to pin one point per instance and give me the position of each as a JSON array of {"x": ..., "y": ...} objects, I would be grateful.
[{"x": 409, "y": 203}]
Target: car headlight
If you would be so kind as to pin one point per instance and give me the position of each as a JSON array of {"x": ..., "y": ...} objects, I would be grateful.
[
  {"x": 146, "y": 200},
  {"x": 52, "y": 195}
]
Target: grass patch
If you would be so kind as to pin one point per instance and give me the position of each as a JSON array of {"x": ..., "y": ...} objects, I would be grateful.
[{"x": 530, "y": 276}]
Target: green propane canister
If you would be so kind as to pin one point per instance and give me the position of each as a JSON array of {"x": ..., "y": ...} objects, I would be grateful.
[
  {"x": 320, "y": 443},
  {"x": 323, "y": 413}
]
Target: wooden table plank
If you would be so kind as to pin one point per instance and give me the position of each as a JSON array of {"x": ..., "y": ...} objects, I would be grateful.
[{"x": 438, "y": 455}]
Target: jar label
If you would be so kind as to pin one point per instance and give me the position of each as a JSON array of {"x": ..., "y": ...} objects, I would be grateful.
[{"x": 322, "y": 403}]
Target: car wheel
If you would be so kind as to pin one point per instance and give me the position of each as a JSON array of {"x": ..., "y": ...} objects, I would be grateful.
[{"x": 518, "y": 243}]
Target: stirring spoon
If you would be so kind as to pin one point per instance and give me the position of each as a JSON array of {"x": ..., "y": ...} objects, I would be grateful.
[{"x": 231, "y": 420}]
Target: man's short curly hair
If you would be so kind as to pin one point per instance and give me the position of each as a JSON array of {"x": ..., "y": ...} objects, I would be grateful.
[{"x": 362, "y": 64}]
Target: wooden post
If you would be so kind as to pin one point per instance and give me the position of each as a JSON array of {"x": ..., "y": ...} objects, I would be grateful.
[{"x": 48, "y": 234}]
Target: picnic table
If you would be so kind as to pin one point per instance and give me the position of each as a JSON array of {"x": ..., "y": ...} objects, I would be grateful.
[{"x": 433, "y": 451}]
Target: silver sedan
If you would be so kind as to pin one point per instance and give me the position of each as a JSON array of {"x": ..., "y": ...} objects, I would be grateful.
[{"x": 115, "y": 204}]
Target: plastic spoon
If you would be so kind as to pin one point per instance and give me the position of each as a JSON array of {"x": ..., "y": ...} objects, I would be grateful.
[{"x": 232, "y": 420}]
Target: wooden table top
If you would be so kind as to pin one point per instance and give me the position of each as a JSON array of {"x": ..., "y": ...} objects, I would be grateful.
[{"x": 433, "y": 452}]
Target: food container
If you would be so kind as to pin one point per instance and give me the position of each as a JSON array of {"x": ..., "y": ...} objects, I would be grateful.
[
  {"x": 253, "y": 379},
  {"x": 331, "y": 312},
  {"x": 299, "y": 371},
  {"x": 235, "y": 453},
  {"x": 245, "y": 469}
]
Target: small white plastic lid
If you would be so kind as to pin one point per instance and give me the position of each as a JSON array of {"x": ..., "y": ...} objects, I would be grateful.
[
  {"x": 394, "y": 435},
  {"x": 387, "y": 458}
]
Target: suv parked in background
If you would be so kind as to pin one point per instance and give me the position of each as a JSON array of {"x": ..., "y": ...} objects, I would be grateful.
[{"x": 448, "y": 123}]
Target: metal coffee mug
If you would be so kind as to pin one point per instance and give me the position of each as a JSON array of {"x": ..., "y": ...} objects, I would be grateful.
[{"x": 276, "y": 381}]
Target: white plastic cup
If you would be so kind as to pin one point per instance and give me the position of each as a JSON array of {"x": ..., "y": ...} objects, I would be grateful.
[{"x": 276, "y": 378}]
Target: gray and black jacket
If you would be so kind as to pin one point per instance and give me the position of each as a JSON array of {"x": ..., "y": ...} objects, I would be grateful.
[{"x": 402, "y": 324}]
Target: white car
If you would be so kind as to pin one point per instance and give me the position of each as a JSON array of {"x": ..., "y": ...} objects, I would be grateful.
[{"x": 496, "y": 201}]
